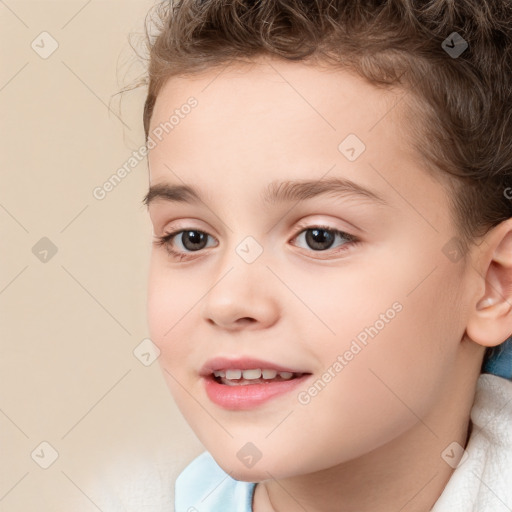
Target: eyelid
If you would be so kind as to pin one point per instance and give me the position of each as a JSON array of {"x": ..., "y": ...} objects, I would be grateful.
[{"x": 301, "y": 226}]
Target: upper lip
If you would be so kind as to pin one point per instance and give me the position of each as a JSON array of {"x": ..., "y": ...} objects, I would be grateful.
[{"x": 243, "y": 363}]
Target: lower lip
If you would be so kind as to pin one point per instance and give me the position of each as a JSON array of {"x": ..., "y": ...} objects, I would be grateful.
[{"x": 248, "y": 396}]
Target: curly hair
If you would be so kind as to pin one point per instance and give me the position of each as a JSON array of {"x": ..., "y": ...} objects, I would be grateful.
[{"x": 459, "y": 106}]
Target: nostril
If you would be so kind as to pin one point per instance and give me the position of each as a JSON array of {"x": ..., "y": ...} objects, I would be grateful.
[{"x": 246, "y": 320}]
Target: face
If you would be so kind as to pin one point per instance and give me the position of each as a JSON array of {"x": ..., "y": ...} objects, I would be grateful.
[{"x": 341, "y": 285}]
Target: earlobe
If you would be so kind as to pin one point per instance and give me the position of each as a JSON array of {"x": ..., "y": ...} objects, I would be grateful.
[
  {"x": 486, "y": 302},
  {"x": 490, "y": 322}
]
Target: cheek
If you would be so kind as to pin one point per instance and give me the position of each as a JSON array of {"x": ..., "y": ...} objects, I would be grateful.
[
  {"x": 398, "y": 374},
  {"x": 394, "y": 330},
  {"x": 170, "y": 304},
  {"x": 170, "y": 321}
]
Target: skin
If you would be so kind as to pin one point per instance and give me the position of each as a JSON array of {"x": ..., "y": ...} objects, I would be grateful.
[{"x": 372, "y": 438}]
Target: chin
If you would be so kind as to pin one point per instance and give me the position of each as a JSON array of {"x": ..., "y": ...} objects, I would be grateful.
[{"x": 263, "y": 469}]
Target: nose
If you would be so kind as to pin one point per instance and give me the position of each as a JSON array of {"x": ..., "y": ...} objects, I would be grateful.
[{"x": 241, "y": 296}]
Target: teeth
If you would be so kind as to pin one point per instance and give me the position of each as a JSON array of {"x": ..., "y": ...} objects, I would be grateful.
[
  {"x": 252, "y": 374},
  {"x": 233, "y": 374},
  {"x": 268, "y": 374}
]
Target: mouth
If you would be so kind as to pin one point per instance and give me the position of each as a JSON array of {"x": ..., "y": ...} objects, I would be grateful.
[{"x": 246, "y": 383}]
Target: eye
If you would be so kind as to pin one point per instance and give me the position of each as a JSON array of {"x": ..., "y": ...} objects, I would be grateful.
[
  {"x": 191, "y": 240},
  {"x": 181, "y": 244},
  {"x": 322, "y": 238}
]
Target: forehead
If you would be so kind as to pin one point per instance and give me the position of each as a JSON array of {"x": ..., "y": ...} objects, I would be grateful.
[
  {"x": 274, "y": 101},
  {"x": 271, "y": 118}
]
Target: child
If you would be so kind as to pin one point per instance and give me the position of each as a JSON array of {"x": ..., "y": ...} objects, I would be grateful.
[{"x": 330, "y": 194}]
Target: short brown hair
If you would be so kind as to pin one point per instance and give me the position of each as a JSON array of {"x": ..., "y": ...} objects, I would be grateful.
[
  {"x": 466, "y": 103},
  {"x": 460, "y": 105}
]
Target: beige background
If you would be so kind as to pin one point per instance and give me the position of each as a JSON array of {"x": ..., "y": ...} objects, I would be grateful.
[{"x": 69, "y": 325}]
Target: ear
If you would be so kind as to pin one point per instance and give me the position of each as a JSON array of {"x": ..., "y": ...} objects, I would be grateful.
[{"x": 490, "y": 318}]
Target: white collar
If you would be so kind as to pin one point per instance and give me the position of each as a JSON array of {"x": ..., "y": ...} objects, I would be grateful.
[{"x": 483, "y": 480}]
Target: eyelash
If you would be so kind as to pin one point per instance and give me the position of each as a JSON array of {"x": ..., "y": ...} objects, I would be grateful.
[{"x": 166, "y": 239}]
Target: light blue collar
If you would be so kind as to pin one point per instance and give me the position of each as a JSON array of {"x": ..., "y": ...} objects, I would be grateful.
[
  {"x": 499, "y": 361},
  {"x": 203, "y": 486}
]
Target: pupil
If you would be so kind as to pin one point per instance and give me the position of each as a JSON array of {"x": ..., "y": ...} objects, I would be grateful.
[
  {"x": 195, "y": 237},
  {"x": 317, "y": 238}
]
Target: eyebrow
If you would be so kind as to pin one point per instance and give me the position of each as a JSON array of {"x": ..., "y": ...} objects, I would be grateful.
[{"x": 276, "y": 191}]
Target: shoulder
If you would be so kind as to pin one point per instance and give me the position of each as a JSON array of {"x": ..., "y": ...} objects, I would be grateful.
[{"x": 203, "y": 486}]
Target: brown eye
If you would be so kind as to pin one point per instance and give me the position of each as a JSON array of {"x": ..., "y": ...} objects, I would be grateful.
[
  {"x": 193, "y": 240},
  {"x": 180, "y": 244},
  {"x": 321, "y": 238}
]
